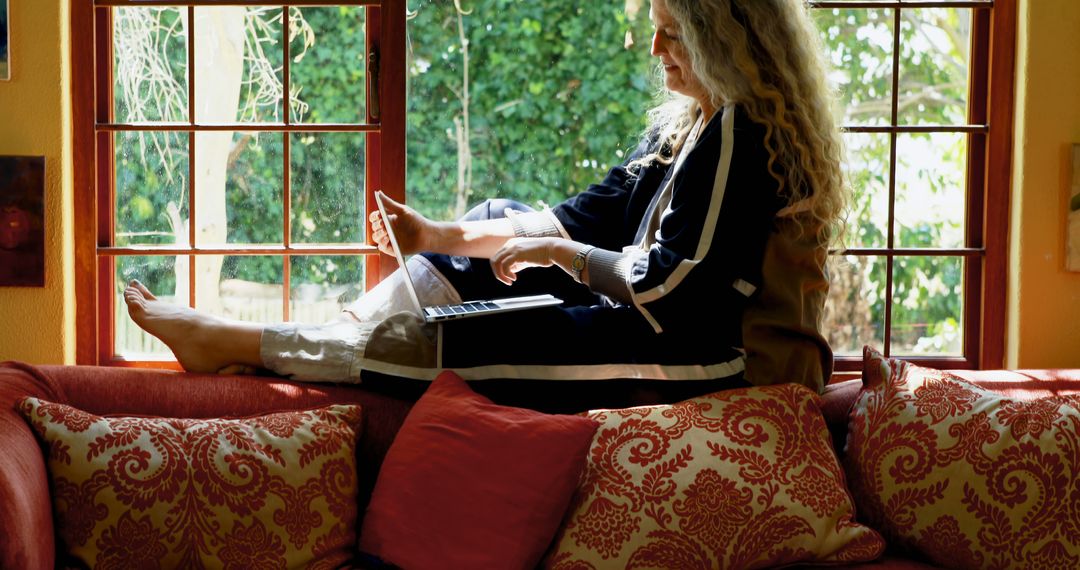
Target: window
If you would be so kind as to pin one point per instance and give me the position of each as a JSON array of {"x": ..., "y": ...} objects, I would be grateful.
[
  {"x": 511, "y": 99},
  {"x": 925, "y": 122},
  {"x": 234, "y": 147},
  {"x": 504, "y": 99}
]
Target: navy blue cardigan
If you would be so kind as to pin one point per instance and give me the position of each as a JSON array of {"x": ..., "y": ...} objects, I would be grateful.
[{"x": 672, "y": 312}]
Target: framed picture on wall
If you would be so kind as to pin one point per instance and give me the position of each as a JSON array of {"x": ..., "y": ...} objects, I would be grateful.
[
  {"x": 1072, "y": 239},
  {"x": 5, "y": 51},
  {"x": 22, "y": 221}
]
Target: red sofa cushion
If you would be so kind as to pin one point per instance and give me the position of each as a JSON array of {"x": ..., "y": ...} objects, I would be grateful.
[{"x": 471, "y": 484}]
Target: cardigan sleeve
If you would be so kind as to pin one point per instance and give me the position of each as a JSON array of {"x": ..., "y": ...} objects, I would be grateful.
[
  {"x": 598, "y": 215},
  {"x": 706, "y": 255}
]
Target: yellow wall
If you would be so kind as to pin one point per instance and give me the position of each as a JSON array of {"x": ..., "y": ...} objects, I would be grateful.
[
  {"x": 1044, "y": 299},
  {"x": 37, "y": 325}
]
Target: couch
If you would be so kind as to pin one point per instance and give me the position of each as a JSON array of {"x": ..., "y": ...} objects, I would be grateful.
[{"x": 27, "y": 538}]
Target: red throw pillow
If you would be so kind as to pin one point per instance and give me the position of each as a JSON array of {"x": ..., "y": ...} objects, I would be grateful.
[
  {"x": 471, "y": 484},
  {"x": 274, "y": 491},
  {"x": 967, "y": 477}
]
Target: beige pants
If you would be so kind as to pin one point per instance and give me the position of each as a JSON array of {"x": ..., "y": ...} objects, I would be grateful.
[{"x": 381, "y": 330}]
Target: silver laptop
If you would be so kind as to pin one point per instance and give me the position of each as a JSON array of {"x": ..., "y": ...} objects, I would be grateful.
[{"x": 436, "y": 313}]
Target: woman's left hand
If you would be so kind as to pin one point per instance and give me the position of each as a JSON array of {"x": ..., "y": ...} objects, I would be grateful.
[{"x": 521, "y": 253}]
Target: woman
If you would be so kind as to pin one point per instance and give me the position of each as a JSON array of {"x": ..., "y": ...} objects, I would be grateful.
[{"x": 668, "y": 247}]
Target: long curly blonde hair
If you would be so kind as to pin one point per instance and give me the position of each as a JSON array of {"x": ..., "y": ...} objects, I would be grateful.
[{"x": 765, "y": 55}]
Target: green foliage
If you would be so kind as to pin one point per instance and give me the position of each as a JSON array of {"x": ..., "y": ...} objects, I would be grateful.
[
  {"x": 330, "y": 76},
  {"x": 556, "y": 97}
]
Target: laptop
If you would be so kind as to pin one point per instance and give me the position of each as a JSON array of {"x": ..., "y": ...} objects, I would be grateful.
[{"x": 436, "y": 313}]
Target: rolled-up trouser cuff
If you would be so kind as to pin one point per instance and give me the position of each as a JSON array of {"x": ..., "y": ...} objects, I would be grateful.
[
  {"x": 385, "y": 329},
  {"x": 315, "y": 353}
]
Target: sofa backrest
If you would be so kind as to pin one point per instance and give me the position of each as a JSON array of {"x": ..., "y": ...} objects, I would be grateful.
[{"x": 1021, "y": 384}]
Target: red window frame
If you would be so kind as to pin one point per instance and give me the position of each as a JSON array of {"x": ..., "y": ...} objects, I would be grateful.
[
  {"x": 94, "y": 125},
  {"x": 990, "y": 109}
]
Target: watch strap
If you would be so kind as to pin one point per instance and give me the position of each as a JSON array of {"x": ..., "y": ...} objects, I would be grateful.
[{"x": 577, "y": 265}]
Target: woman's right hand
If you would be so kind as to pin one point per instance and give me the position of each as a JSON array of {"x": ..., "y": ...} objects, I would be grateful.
[{"x": 412, "y": 230}]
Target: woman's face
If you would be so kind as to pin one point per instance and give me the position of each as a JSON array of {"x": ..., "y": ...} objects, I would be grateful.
[{"x": 667, "y": 45}]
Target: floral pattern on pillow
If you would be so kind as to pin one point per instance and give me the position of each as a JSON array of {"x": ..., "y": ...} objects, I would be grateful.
[
  {"x": 274, "y": 491},
  {"x": 738, "y": 479},
  {"x": 967, "y": 477}
]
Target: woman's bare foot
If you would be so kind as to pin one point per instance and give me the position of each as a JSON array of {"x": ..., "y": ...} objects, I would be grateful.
[{"x": 201, "y": 342}]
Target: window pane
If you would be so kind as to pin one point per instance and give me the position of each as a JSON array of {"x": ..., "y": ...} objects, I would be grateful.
[
  {"x": 930, "y": 183},
  {"x": 158, "y": 273},
  {"x": 151, "y": 172},
  {"x": 327, "y": 187},
  {"x": 239, "y": 188},
  {"x": 542, "y": 122},
  {"x": 855, "y": 312},
  {"x": 322, "y": 285},
  {"x": 859, "y": 44},
  {"x": 238, "y": 69},
  {"x": 241, "y": 287},
  {"x": 150, "y": 54},
  {"x": 935, "y": 50},
  {"x": 927, "y": 306},
  {"x": 328, "y": 64},
  {"x": 867, "y": 170}
]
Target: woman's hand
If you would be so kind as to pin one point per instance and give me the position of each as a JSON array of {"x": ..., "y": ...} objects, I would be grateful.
[
  {"x": 411, "y": 229},
  {"x": 523, "y": 252}
]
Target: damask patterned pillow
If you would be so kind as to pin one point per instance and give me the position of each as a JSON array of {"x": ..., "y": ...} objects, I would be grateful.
[
  {"x": 738, "y": 479},
  {"x": 965, "y": 476},
  {"x": 273, "y": 491}
]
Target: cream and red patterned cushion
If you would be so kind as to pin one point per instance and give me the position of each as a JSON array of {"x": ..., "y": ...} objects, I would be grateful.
[
  {"x": 738, "y": 479},
  {"x": 965, "y": 476},
  {"x": 275, "y": 491}
]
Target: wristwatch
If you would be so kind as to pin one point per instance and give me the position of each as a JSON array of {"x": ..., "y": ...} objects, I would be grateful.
[{"x": 577, "y": 265}]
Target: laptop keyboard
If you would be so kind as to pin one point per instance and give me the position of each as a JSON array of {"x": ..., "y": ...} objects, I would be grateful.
[{"x": 463, "y": 308}]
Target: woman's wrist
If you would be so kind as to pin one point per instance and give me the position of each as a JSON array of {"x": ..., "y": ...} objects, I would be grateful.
[
  {"x": 439, "y": 237},
  {"x": 571, "y": 256}
]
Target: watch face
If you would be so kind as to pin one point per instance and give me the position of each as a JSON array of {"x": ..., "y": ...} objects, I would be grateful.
[{"x": 579, "y": 262}]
